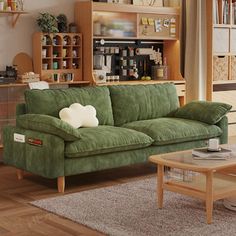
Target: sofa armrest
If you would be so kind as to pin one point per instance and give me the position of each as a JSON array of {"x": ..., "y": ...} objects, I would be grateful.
[
  {"x": 204, "y": 111},
  {"x": 223, "y": 124},
  {"x": 44, "y": 157},
  {"x": 48, "y": 124}
]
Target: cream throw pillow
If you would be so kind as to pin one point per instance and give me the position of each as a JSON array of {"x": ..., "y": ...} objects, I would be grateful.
[{"x": 78, "y": 115}]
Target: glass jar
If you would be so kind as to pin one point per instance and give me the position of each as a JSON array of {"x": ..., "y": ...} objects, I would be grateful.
[{"x": 160, "y": 72}]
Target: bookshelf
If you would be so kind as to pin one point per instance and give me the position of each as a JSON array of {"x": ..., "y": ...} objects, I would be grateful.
[
  {"x": 221, "y": 55},
  {"x": 223, "y": 40}
]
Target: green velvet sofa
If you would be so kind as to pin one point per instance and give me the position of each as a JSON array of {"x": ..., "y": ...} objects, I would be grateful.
[{"x": 135, "y": 121}]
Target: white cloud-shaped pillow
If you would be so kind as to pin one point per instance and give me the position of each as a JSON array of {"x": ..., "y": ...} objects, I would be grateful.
[{"x": 79, "y": 116}]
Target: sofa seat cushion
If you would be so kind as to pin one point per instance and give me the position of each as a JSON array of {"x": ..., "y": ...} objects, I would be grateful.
[
  {"x": 106, "y": 139},
  {"x": 174, "y": 130}
]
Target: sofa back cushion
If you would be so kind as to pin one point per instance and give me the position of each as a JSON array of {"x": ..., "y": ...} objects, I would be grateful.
[
  {"x": 51, "y": 101},
  {"x": 142, "y": 102}
]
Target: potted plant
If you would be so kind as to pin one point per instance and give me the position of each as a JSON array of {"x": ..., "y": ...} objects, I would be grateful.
[
  {"x": 62, "y": 23},
  {"x": 47, "y": 23}
]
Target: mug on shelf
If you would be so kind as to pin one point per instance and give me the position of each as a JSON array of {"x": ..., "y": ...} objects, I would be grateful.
[
  {"x": 64, "y": 64},
  {"x": 56, "y": 77},
  {"x": 64, "y": 52},
  {"x": 55, "y": 65},
  {"x": 44, "y": 53},
  {"x": 45, "y": 66}
]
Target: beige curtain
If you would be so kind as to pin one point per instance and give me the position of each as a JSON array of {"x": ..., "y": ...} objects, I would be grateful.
[{"x": 193, "y": 49}]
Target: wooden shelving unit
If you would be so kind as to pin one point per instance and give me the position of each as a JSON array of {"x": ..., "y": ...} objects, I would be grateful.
[
  {"x": 221, "y": 59},
  {"x": 87, "y": 13},
  {"x": 222, "y": 41},
  {"x": 14, "y": 15},
  {"x": 58, "y": 57}
]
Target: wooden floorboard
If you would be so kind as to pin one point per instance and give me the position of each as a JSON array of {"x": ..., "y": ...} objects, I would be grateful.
[{"x": 18, "y": 217}]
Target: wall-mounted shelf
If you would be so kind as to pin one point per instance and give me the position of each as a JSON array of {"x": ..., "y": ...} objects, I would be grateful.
[{"x": 14, "y": 15}]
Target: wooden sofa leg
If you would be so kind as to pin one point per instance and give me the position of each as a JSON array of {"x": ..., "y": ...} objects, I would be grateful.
[
  {"x": 20, "y": 174},
  {"x": 61, "y": 184}
]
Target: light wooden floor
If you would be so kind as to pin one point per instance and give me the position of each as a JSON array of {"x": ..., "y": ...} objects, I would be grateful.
[{"x": 18, "y": 217}]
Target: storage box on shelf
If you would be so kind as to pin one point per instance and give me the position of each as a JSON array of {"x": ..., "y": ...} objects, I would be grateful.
[
  {"x": 233, "y": 67},
  {"x": 58, "y": 57},
  {"x": 220, "y": 68},
  {"x": 108, "y": 27}
]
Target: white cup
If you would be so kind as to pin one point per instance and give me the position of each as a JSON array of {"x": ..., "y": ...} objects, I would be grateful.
[
  {"x": 213, "y": 144},
  {"x": 44, "y": 53}
]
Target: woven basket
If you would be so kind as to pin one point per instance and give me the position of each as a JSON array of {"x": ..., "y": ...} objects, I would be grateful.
[{"x": 220, "y": 68}]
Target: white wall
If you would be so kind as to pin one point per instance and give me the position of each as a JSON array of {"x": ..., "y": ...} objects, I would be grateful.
[{"x": 19, "y": 39}]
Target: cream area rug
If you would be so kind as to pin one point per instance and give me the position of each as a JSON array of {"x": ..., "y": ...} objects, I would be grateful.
[{"x": 131, "y": 209}]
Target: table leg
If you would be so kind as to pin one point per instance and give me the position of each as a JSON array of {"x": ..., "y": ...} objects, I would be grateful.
[
  {"x": 160, "y": 175},
  {"x": 209, "y": 196}
]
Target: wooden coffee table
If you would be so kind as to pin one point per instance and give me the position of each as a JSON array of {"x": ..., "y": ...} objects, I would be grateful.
[{"x": 213, "y": 180}]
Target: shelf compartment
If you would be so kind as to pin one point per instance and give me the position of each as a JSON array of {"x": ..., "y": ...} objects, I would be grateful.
[
  {"x": 46, "y": 40},
  {"x": 57, "y": 63},
  {"x": 67, "y": 41},
  {"x": 46, "y": 52},
  {"x": 76, "y": 40},
  {"x": 233, "y": 41},
  {"x": 56, "y": 40},
  {"x": 221, "y": 40},
  {"x": 113, "y": 24},
  {"x": 46, "y": 63},
  {"x": 67, "y": 63},
  {"x": 75, "y": 63}
]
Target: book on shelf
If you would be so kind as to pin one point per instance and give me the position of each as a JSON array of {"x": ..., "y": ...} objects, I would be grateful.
[
  {"x": 233, "y": 11},
  {"x": 226, "y": 12},
  {"x": 204, "y": 153},
  {"x": 215, "y": 12}
]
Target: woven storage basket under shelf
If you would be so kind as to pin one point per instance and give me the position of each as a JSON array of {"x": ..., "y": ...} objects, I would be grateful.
[
  {"x": 220, "y": 68},
  {"x": 233, "y": 67}
]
